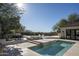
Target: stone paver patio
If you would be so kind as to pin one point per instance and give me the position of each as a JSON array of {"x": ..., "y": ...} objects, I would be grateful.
[{"x": 21, "y": 49}]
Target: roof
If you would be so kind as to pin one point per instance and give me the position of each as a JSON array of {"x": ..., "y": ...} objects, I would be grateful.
[{"x": 72, "y": 24}]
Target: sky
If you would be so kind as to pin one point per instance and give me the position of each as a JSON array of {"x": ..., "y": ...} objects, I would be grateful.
[{"x": 41, "y": 17}]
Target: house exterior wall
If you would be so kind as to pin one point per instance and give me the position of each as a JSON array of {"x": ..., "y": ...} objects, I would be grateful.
[{"x": 63, "y": 31}]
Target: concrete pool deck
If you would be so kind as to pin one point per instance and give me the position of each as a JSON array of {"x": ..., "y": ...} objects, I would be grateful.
[{"x": 73, "y": 51}]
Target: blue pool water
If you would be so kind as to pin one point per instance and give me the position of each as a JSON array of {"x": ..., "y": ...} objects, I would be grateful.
[{"x": 54, "y": 48}]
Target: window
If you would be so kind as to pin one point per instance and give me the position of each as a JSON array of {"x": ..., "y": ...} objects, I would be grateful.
[
  {"x": 77, "y": 32},
  {"x": 68, "y": 32}
]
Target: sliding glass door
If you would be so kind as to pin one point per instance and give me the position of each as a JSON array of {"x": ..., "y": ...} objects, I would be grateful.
[
  {"x": 71, "y": 34},
  {"x": 77, "y": 34},
  {"x": 68, "y": 34}
]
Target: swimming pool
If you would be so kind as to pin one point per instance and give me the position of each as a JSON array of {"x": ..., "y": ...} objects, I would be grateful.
[{"x": 54, "y": 48}]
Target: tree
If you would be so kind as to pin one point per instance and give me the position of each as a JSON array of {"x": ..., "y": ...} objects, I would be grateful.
[
  {"x": 73, "y": 17},
  {"x": 9, "y": 18},
  {"x": 63, "y": 22}
]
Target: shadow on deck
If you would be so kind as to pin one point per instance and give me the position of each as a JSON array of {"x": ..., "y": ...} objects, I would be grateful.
[{"x": 11, "y": 51}]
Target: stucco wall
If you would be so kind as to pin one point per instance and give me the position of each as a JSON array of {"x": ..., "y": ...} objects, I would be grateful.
[{"x": 63, "y": 33}]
